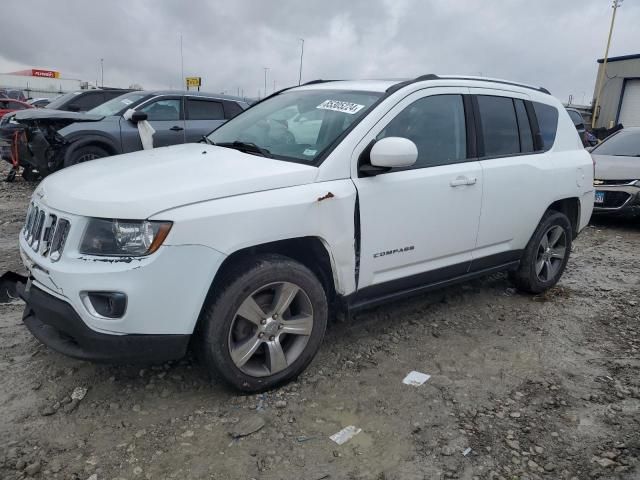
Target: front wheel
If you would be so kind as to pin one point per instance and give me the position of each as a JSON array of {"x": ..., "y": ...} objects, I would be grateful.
[
  {"x": 546, "y": 254},
  {"x": 266, "y": 326},
  {"x": 85, "y": 154}
]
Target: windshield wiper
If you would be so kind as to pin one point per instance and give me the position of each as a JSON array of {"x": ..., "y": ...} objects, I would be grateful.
[{"x": 247, "y": 147}]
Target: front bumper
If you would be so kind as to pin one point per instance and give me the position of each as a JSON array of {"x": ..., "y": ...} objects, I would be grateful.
[
  {"x": 56, "y": 324},
  {"x": 618, "y": 199}
]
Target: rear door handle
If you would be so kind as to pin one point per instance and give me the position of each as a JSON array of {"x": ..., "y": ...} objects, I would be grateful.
[
  {"x": 460, "y": 181},
  {"x": 176, "y": 128}
]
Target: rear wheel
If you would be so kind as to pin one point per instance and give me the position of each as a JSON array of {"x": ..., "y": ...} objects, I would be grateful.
[
  {"x": 266, "y": 326},
  {"x": 85, "y": 154},
  {"x": 546, "y": 254}
]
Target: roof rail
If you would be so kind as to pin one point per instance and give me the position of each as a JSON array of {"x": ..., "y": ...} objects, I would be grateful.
[
  {"x": 431, "y": 76},
  {"x": 313, "y": 82},
  {"x": 421, "y": 78}
]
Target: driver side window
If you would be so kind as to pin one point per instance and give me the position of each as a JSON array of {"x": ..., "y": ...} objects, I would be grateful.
[
  {"x": 163, "y": 110},
  {"x": 436, "y": 124}
]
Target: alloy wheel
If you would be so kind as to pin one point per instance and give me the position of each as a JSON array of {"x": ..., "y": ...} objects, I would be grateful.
[
  {"x": 551, "y": 253},
  {"x": 271, "y": 329}
]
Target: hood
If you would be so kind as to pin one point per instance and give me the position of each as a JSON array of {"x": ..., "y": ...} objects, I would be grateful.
[
  {"x": 39, "y": 114},
  {"x": 138, "y": 185},
  {"x": 611, "y": 167}
]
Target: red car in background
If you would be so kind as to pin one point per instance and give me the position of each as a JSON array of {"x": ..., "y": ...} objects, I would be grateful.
[{"x": 8, "y": 105}]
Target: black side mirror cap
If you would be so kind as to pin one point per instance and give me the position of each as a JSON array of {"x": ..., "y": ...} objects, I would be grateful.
[
  {"x": 138, "y": 117},
  {"x": 365, "y": 169}
]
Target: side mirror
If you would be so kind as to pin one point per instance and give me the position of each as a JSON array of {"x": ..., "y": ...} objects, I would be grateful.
[
  {"x": 74, "y": 107},
  {"x": 138, "y": 116},
  {"x": 393, "y": 152}
]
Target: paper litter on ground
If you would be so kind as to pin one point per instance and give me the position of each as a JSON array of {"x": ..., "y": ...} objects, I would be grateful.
[
  {"x": 416, "y": 378},
  {"x": 346, "y": 434}
]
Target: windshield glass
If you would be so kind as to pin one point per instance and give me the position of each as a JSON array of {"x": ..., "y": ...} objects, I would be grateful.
[
  {"x": 60, "y": 100},
  {"x": 118, "y": 104},
  {"x": 624, "y": 143},
  {"x": 297, "y": 125}
]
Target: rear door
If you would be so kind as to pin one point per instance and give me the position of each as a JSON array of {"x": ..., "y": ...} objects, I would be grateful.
[
  {"x": 203, "y": 116},
  {"x": 514, "y": 175},
  {"x": 419, "y": 224}
]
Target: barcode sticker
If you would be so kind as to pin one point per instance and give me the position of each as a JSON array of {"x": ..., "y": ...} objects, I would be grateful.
[{"x": 339, "y": 106}]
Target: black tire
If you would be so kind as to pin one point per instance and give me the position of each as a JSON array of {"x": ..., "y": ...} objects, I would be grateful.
[
  {"x": 83, "y": 154},
  {"x": 29, "y": 175},
  {"x": 220, "y": 313},
  {"x": 526, "y": 277}
]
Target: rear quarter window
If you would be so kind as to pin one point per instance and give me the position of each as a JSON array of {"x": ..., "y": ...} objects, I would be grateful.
[
  {"x": 231, "y": 109},
  {"x": 547, "y": 123}
]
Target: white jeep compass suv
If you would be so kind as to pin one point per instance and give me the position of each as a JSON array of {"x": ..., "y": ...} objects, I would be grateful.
[{"x": 328, "y": 197}]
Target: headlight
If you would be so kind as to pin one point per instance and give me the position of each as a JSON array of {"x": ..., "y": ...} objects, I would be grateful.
[{"x": 128, "y": 238}]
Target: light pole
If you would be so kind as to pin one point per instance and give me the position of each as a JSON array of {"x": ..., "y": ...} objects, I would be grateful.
[
  {"x": 301, "y": 54},
  {"x": 594, "y": 115},
  {"x": 266, "y": 69},
  {"x": 102, "y": 72}
]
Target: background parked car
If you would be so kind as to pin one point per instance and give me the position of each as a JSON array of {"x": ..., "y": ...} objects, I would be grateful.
[
  {"x": 9, "y": 105},
  {"x": 617, "y": 177},
  {"x": 39, "y": 102},
  {"x": 12, "y": 93},
  {"x": 57, "y": 139},
  {"x": 84, "y": 100},
  {"x": 588, "y": 140}
]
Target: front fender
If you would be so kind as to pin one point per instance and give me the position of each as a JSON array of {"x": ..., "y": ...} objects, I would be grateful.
[
  {"x": 104, "y": 140},
  {"x": 322, "y": 210}
]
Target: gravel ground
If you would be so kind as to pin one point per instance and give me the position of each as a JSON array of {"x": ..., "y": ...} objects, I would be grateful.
[{"x": 521, "y": 387}]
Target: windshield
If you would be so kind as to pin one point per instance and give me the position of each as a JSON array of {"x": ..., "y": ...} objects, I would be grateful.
[
  {"x": 297, "y": 125},
  {"x": 625, "y": 143},
  {"x": 60, "y": 100},
  {"x": 118, "y": 104}
]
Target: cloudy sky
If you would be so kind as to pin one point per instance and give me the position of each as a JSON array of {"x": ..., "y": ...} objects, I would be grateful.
[{"x": 228, "y": 43}]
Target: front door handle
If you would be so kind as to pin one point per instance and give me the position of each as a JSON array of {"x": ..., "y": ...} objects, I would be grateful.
[
  {"x": 176, "y": 128},
  {"x": 460, "y": 181}
]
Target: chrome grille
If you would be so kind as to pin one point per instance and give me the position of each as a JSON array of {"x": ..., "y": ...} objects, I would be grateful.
[
  {"x": 37, "y": 230},
  {"x": 59, "y": 239},
  {"x": 45, "y": 232},
  {"x": 48, "y": 234}
]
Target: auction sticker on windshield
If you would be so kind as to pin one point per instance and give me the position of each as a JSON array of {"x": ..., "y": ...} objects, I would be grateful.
[{"x": 339, "y": 106}]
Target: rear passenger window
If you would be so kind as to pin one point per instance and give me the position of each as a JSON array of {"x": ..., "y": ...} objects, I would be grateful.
[
  {"x": 436, "y": 125},
  {"x": 547, "y": 123},
  {"x": 499, "y": 126},
  {"x": 204, "y": 110},
  {"x": 524, "y": 127}
]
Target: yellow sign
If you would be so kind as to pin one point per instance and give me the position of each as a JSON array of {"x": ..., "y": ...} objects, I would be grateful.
[{"x": 194, "y": 81}]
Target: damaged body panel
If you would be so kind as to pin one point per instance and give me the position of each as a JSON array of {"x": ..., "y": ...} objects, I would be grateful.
[{"x": 41, "y": 145}]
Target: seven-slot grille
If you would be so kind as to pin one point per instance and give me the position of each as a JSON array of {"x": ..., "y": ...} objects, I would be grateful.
[{"x": 45, "y": 232}]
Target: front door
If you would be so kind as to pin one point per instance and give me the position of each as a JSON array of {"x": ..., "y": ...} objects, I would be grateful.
[
  {"x": 165, "y": 116},
  {"x": 419, "y": 224}
]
